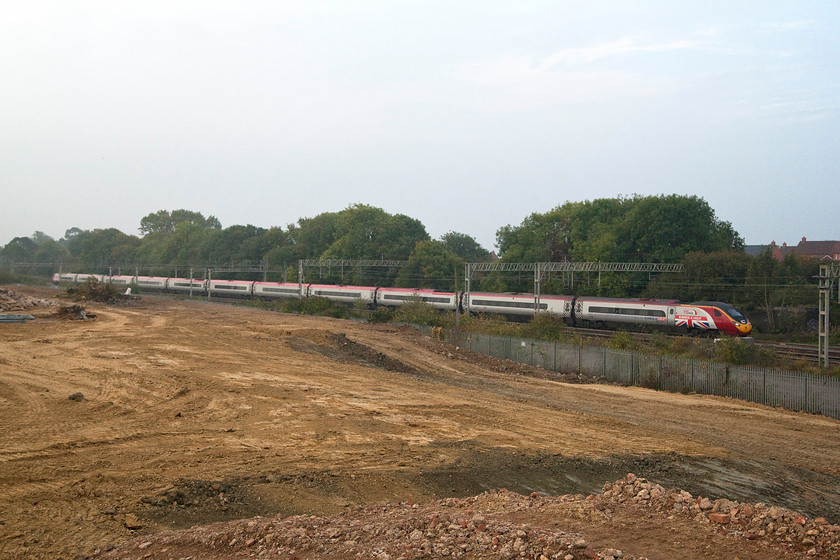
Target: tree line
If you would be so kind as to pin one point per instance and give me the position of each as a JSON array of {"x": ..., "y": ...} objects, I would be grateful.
[{"x": 664, "y": 229}]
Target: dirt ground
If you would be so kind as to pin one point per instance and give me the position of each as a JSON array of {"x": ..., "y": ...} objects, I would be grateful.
[{"x": 168, "y": 414}]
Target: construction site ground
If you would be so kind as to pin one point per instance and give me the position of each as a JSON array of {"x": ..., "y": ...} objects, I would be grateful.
[{"x": 170, "y": 414}]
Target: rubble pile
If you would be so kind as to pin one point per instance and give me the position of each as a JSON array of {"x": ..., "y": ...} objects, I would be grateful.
[
  {"x": 446, "y": 528},
  {"x": 74, "y": 313},
  {"x": 11, "y": 301},
  {"x": 497, "y": 524},
  {"x": 781, "y": 527}
]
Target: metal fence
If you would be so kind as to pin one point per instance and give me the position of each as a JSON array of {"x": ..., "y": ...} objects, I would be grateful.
[{"x": 788, "y": 389}]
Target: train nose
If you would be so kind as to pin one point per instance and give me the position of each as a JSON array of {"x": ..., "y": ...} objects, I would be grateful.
[{"x": 744, "y": 328}]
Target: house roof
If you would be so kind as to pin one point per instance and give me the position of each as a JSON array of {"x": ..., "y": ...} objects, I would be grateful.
[{"x": 819, "y": 249}]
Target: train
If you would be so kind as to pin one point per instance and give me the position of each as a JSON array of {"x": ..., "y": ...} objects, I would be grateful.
[{"x": 700, "y": 317}]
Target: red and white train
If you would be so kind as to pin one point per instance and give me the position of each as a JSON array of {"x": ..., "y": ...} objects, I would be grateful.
[{"x": 660, "y": 314}]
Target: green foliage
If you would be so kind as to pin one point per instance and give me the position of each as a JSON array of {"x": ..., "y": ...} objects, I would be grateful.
[
  {"x": 100, "y": 248},
  {"x": 623, "y": 340},
  {"x": 637, "y": 229},
  {"x": 465, "y": 247},
  {"x": 431, "y": 265},
  {"x": 381, "y": 315},
  {"x": 7, "y": 277},
  {"x": 163, "y": 221},
  {"x": 736, "y": 351},
  {"x": 665, "y": 228},
  {"x": 365, "y": 232},
  {"x": 545, "y": 326},
  {"x": 715, "y": 276},
  {"x": 488, "y": 324},
  {"x": 419, "y": 313},
  {"x": 316, "y": 306},
  {"x": 19, "y": 250}
]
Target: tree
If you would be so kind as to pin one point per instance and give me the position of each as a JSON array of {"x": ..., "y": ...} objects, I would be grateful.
[
  {"x": 39, "y": 237},
  {"x": 50, "y": 251},
  {"x": 313, "y": 236},
  {"x": 234, "y": 244},
  {"x": 163, "y": 221},
  {"x": 100, "y": 248},
  {"x": 540, "y": 238},
  {"x": 465, "y": 246},
  {"x": 718, "y": 276},
  {"x": 760, "y": 278},
  {"x": 641, "y": 228},
  {"x": 366, "y": 232},
  {"x": 431, "y": 265},
  {"x": 19, "y": 250},
  {"x": 665, "y": 228}
]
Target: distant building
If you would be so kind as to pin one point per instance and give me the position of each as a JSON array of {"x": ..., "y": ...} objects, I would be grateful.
[
  {"x": 823, "y": 250},
  {"x": 754, "y": 250}
]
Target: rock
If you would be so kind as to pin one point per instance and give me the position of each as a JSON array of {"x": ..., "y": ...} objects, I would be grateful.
[
  {"x": 132, "y": 522},
  {"x": 78, "y": 397},
  {"x": 722, "y": 518}
]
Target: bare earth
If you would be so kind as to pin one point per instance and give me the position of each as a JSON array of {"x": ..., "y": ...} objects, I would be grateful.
[{"x": 192, "y": 413}]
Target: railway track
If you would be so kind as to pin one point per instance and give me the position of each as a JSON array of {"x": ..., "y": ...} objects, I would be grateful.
[
  {"x": 808, "y": 352},
  {"x": 796, "y": 351}
]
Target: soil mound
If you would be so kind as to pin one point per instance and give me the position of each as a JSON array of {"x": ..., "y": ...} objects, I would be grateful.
[{"x": 503, "y": 524}]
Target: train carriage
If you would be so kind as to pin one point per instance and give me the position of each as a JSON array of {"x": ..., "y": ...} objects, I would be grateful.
[
  {"x": 186, "y": 286},
  {"x": 154, "y": 283},
  {"x": 516, "y": 305},
  {"x": 343, "y": 294},
  {"x": 395, "y": 297},
  {"x": 121, "y": 280},
  {"x": 230, "y": 288},
  {"x": 276, "y": 290}
]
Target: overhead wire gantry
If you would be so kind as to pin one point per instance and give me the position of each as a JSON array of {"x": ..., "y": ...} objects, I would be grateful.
[{"x": 540, "y": 268}]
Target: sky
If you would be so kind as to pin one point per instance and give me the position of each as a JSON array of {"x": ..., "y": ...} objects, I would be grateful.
[{"x": 468, "y": 116}]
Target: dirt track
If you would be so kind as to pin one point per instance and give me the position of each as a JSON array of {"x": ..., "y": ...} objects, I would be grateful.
[{"x": 193, "y": 413}]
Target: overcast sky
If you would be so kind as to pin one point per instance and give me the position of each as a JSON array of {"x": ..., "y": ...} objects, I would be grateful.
[{"x": 465, "y": 115}]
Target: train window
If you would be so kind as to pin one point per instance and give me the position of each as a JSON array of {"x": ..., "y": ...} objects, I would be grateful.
[
  {"x": 516, "y": 304},
  {"x": 717, "y": 313},
  {"x": 324, "y": 293},
  {"x": 628, "y": 311},
  {"x": 282, "y": 290}
]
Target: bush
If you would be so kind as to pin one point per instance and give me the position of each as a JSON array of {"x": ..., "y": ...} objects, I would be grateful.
[
  {"x": 7, "y": 277},
  {"x": 316, "y": 306},
  {"x": 419, "y": 313},
  {"x": 736, "y": 351},
  {"x": 545, "y": 327},
  {"x": 102, "y": 292},
  {"x": 623, "y": 340},
  {"x": 381, "y": 315}
]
